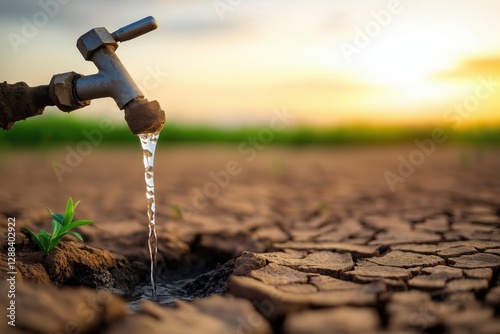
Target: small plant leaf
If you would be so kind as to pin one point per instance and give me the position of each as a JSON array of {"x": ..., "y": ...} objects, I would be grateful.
[
  {"x": 53, "y": 243},
  {"x": 77, "y": 235},
  {"x": 45, "y": 239},
  {"x": 50, "y": 211},
  {"x": 59, "y": 218},
  {"x": 35, "y": 238},
  {"x": 175, "y": 211},
  {"x": 56, "y": 227},
  {"x": 76, "y": 204},
  {"x": 78, "y": 223},
  {"x": 69, "y": 212}
]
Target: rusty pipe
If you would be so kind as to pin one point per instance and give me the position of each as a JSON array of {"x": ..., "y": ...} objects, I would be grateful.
[{"x": 19, "y": 101}]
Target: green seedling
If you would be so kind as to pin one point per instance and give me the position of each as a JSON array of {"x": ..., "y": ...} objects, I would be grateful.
[
  {"x": 175, "y": 211},
  {"x": 61, "y": 226},
  {"x": 321, "y": 207}
]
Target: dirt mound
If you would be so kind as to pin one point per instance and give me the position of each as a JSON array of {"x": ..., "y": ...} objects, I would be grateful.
[
  {"x": 45, "y": 309},
  {"x": 76, "y": 264}
]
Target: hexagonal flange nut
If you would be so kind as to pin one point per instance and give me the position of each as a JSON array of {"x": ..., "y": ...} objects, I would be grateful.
[
  {"x": 93, "y": 40},
  {"x": 62, "y": 92}
]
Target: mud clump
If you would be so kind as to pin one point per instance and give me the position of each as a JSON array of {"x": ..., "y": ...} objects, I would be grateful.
[
  {"x": 46, "y": 309},
  {"x": 18, "y": 102},
  {"x": 248, "y": 262},
  {"x": 213, "y": 282},
  {"x": 76, "y": 264}
]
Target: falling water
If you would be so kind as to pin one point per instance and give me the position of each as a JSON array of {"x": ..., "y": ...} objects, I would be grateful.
[{"x": 148, "y": 142}]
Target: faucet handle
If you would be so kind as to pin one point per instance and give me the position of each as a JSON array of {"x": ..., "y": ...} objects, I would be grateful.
[{"x": 135, "y": 29}]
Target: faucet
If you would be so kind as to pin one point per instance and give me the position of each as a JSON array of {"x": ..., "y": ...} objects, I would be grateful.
[{"x": 71, "y": 91}]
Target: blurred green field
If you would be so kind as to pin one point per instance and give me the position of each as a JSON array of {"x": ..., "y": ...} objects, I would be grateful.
[{"x": 49, "y": 131}]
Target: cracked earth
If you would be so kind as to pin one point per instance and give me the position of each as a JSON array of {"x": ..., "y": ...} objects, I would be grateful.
[{"x": 308, "y": 240}]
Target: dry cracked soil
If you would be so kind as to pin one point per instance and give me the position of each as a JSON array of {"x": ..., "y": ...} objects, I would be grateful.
[{"x": 306, "y": 240}]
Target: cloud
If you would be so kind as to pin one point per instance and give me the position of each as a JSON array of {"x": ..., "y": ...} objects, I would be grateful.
[
  {"x": 193, "y": 25},
  {"x": 16, "y": 8},
  {"x": 473, "y": 68}
]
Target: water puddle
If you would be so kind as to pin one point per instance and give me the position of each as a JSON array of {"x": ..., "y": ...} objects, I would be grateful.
[
  {"x": 148, "y": 142},
  {"x": 193, "y": 280},
  {"x": 167, "y": 293}
]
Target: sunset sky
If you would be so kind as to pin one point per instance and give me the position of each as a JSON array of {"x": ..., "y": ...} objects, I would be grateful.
[{"x": 228, "y": 67}]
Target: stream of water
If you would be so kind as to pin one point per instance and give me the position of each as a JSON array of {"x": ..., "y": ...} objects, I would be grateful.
[{"x": 148, "y": 143}]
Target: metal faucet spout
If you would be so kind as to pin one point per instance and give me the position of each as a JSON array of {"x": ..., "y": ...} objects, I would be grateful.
[{"x": 113, "y": 80}]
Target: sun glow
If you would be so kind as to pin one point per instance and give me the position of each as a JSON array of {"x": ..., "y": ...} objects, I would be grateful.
[
  {"x": 408, "y": 57},
  {"x": 266, "y": 54},
  {"x": 405, "y": 63}
]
